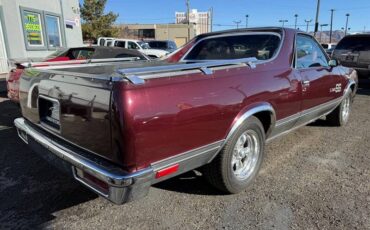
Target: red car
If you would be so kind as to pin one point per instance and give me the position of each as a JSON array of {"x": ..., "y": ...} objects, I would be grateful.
[
  {"x": 212, "y": 104},
  {"x": 65, "y": 55}
]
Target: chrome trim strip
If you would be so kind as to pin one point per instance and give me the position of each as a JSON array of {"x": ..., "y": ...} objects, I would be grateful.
[
  {"x": 263, "y": 107},
  {"x": 334, "y": 103},
  {"x": 288, "y": 119},
  {"x": 110, "y": 174},
  {"x": 303, "y": 124},
  {"x": 182, "y": 66},
  {"x": 182, "y": 157},
  {"x": 65, "y": 64}
]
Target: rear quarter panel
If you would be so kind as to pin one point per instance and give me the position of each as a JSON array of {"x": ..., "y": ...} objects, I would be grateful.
[{"x": 168, "y": 117}]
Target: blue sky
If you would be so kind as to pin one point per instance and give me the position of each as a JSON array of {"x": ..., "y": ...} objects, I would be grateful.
[{"x": 261, "y": 12}]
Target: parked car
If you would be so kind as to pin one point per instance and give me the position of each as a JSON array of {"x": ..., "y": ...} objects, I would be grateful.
[
  {"x": 166, "y": 45},
  {"x": 214, "y": 104},
  {"x": 104, "y": 41},
  {"x": 354, "y": 51},
  {"x": 138, "y": 45},
  {"x": 65, "y": 55}
]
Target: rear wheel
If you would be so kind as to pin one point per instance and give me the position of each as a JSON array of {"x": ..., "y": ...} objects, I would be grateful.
[
  {"x": 340, "y": 115},
  {"x": 240, "y": 160}
]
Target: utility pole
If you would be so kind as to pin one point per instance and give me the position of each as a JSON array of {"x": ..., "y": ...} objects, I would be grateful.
[
  {"x": 188, "y": 17},
  {"x": 322, "y": 25},
  {"x": 317, "y": 18},
  {"x": 345, "y": 31},
  {"x": 237, "y": 23},
  {"x": 211, "y": 19},
  {"x": 283, "y": 21},
  {"x": 331, "y": 24},
  {"x": 296, "y": 19},
  {"x": 246, "y": 20},
  {"x": 308, "y": 23}
]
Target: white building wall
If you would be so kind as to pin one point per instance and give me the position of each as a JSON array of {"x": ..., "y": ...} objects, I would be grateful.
[
  {"x": 14, "y": 33},
  {"x": 202, "y": 20}
]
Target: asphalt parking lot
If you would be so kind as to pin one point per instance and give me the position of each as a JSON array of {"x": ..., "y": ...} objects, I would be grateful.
[{"x": 317, "y": 177}]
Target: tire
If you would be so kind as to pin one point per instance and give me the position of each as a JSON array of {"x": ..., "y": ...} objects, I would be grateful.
[
  {"x": 226, "y": 172},
  {"x": 340, "y": 116}
]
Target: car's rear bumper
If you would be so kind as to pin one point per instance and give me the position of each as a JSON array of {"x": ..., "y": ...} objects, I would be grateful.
[{"x": 104, "y": 178}]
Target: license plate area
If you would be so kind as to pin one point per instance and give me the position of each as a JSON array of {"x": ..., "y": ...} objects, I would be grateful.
[{"x": 49, "y": 112}]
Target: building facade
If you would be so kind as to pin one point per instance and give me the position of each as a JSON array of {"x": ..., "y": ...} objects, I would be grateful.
[
  {"x": 202, "y": 21},
  {"x": 175, "y": 32},
  {"x": 35, "y": 29}
]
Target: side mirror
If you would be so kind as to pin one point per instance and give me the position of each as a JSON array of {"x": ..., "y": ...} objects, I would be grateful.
[{"x": 333, "y": 63}]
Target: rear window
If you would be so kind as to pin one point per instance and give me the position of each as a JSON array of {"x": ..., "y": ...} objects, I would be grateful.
[
  {"x": 120, "y": 44},
  {"x": 84, "y": 53},
  {"x": 354, "y": 43},
  {"x": 260, "y": 46}
]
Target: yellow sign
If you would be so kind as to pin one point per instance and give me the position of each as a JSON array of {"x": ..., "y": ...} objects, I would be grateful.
[{"x": 32, "y": 27}]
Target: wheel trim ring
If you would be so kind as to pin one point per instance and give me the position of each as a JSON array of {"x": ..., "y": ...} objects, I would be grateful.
[
  {"x": 346, "y": 109},
  {"x": 248, "y": 163}
]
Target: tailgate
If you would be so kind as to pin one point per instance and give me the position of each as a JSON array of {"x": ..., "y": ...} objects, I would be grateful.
[
  {"x": 73, "y": 107},
  {"x": 364, "y": 59}
]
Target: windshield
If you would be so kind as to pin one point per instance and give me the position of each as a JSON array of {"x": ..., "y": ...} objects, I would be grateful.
[{"x": 143, "y": 45}]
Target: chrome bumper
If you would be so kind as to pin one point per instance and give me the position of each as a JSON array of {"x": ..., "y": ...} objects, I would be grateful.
[{"x": 122, "y": 186}]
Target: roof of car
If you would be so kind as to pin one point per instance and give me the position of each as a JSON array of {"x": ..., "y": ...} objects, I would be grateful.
[
  {"x": 358, "y": 35},
  {"x": 253, "y": 29},
  {"x": 112, "y": 52}
]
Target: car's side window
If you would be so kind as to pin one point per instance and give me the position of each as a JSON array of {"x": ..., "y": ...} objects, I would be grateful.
[
  {"x": 120, "y": 44},
  {"x": 308, "y": 53},
  {"x": 260, "y": 46},
  {"x": 132, "y": 45}
]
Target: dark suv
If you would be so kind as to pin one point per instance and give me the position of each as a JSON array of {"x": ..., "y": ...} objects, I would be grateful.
[
  {"x": 167, "y": 45},
  {"x": 354, "y": 51}
]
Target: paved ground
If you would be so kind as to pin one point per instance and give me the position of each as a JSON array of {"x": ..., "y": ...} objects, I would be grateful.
[{"x": 317, "y": 177}]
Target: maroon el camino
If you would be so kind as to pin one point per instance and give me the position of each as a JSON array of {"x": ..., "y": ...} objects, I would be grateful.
[{"x": 214, "y": 103}]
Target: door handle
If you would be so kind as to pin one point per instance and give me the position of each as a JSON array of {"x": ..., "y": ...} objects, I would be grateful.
[{"x": 306, "y": 83}]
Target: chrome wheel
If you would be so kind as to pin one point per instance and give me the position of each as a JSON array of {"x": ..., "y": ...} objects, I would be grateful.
[
  {"x": 245, "y": 155},
  {"x": 346, "y": 107}
]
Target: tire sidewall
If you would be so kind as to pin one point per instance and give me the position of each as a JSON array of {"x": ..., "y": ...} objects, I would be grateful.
[
  {"x": 347, "y": 96},
  {"x": 234, "y": 184}
]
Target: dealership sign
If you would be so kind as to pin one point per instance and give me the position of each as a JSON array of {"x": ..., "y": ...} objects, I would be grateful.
[{"x": 33, "y": 29}]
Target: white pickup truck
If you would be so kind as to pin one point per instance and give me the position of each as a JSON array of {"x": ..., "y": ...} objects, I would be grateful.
[{"x": 136, "y": 45}]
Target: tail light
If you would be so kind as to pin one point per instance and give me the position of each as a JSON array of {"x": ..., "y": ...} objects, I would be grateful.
[{"x": 167, "y": 171}]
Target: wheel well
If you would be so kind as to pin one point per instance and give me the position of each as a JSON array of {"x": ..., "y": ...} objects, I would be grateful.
[
  {"x": 353, "y": 88},
  {"x": 265, "y": 118}
]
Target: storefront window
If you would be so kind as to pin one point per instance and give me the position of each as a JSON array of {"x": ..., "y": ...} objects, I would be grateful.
[
  {"x": 33, "y": 29},
  {"x": 53, "y": 31}
]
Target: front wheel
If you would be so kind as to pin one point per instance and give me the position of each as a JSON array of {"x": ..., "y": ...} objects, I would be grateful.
[
  {"x": 240, "y": 160},
  {"x": 340, "y": 116}
]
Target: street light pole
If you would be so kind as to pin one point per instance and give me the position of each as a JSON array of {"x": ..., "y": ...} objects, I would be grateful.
[
  {"x": 283, "y": 21},
  {"x": 246, "y": 20},
  {"x": 308, "y": 23},
  {"x": 322, "y": 25},
  {"x": 237, "y": 23},
  {"x": 345, "y": 31},
  {"x": 188, "y": 17},
  {"x": 317, "y": 18},
  {"x": 331, "y": 24},
  {"x": 296, "y": 19}
]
